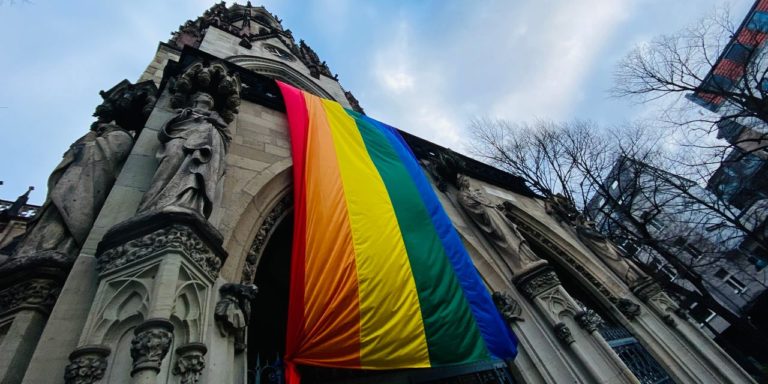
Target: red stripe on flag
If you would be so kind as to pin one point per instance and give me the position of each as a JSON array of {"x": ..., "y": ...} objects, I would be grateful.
[{"x": 298, "y": 123}]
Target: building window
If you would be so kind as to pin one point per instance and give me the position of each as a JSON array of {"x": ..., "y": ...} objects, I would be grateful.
[
  {"x": 669, "y": 271},
  {"x": 655, "y": 224},
  {"x": 629, "y": 248},
  {"x": 721, "y": 274},
  {"x": 693, "y": 251},
  {"x": 599, "y": 202},
  {"x": 738, "y": 286}
]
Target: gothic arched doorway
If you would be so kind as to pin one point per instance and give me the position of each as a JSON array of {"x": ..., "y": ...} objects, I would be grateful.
[
  {"x": 271, "y": 254},
  {"x": 266, "y": 331}
]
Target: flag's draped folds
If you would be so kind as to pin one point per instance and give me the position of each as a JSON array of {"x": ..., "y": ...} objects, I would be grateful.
[{"x": 379, "y": 276}]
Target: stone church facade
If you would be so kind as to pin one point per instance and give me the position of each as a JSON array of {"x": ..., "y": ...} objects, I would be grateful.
[{"x": 161, "y": 253}]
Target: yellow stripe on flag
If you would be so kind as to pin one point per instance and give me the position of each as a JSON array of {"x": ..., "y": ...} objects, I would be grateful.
[{"x": 391, "y": 327}]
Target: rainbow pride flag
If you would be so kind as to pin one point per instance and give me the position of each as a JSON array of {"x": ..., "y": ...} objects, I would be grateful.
[{"x": 379, "y": 276}]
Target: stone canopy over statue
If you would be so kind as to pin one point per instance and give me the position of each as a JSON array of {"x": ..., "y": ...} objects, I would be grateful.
[
  {"x": 79, "y": 185},
  {"x": 195, "y": 141}
]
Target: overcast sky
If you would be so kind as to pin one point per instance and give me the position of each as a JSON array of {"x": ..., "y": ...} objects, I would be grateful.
[{"x": 427, "y": 67}]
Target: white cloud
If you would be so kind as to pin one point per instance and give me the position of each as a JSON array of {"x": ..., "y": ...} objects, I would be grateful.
[{"x": 517, "y": 61}]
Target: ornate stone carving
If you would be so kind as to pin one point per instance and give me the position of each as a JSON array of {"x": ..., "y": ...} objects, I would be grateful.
[
  {"x": 646, "y": 289},
  {"x": 150, "y": 344},
  {"x": 609, "y": 254},
  {"x": 563, "y": 333},
  {"x": 190, "y": 362},
  {"x": 445, "y": 167},
  {"x": 233, "y": 311},
  {"x": 668, "y": 319},
  {"x": 562, "y": 208},
  {"x": 87, "y": 365},
  {"x": 589, "y": 320},
  {"x": 537, "y": 282},
  {"x": 508, "y": 307},
  {"x": 236, "y": 20},
  {"x": 559, "y": 252},
  {"x": 282, "y": 206},
  {"x": 175, "y": 236},
  {"x": 38, "y": 294},
  {"x": 312, "y": 61},
  {"x": 215, "y": 80},
  {"x": 502, "y": 233},
  {"x": 628, "y": 308},
  {"x": 79, "y": 185},
  {"x": 195, "y": 140},
  {"x": 353, "y": 102}
]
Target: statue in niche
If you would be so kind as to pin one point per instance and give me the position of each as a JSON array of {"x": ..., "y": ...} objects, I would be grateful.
[
  {"x": 195, "y": 141},
  {"x": 79, "y": 185},
  {"x": 609, "y": 254},
  {"x": 501, "y": 232},
  {"x": 191, "y": 159}
]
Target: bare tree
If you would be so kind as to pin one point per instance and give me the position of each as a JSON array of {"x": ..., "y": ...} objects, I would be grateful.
[
  {"x": 624, "y": 179},
  {"x": 715, "y": 64}
]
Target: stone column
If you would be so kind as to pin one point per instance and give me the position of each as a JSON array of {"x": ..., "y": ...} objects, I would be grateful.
[
  {"x": 542, "y": 287},
  {"x": 692, "y": 340},
  {"x": 24, "y": 308},
  {"x": 148, "y": 349}
]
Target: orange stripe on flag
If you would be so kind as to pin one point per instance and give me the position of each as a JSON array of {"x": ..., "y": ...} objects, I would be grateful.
[{"x": 332, "y": 321}]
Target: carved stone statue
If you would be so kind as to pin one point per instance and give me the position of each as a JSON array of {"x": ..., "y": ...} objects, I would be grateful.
[
  {"x": 501, "y": 232},
  {"x": 77, "y": 189},
  {"x": 610, "y": 255},
  {"x": 233, "y": 311},
  {"x": 191, "y": 159},
  {"x": 79, "y": 185},
  {"x": 195, "y": 140}
]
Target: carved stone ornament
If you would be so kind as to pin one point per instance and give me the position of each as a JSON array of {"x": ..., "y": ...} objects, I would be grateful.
[
  {"x": 563, "y": 209},
  {"x": 151, "y": 342},
  {"x": 353, "y": 102},
  {"x": 37, "y": 294},
  {"x": 233, "y": 311},
  {"x": 445, "y": 167},
  {"x": 537, "y": 282},
  {"x": 213, "y": 79},
  {"x": 555, "y": 249},
  {"x": 563, "y": 333},
  {"x": 589, "y": 320},
  {"x": 628, "y": 308},
  {"x": 176, "y": 236},
  {"x": 646, "y": 289},
  {"x": 87, "y": 364},
  {"x": 497, "y": 229},
  {"x": 190, "y": 362},
  {"x": 243, "y": 21},
  {"x": 668, "y": 319},
  {"x": 609, "y": 254},
  {"x": 262, "y": 235},
  {"x": 508, "y": 307}
]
